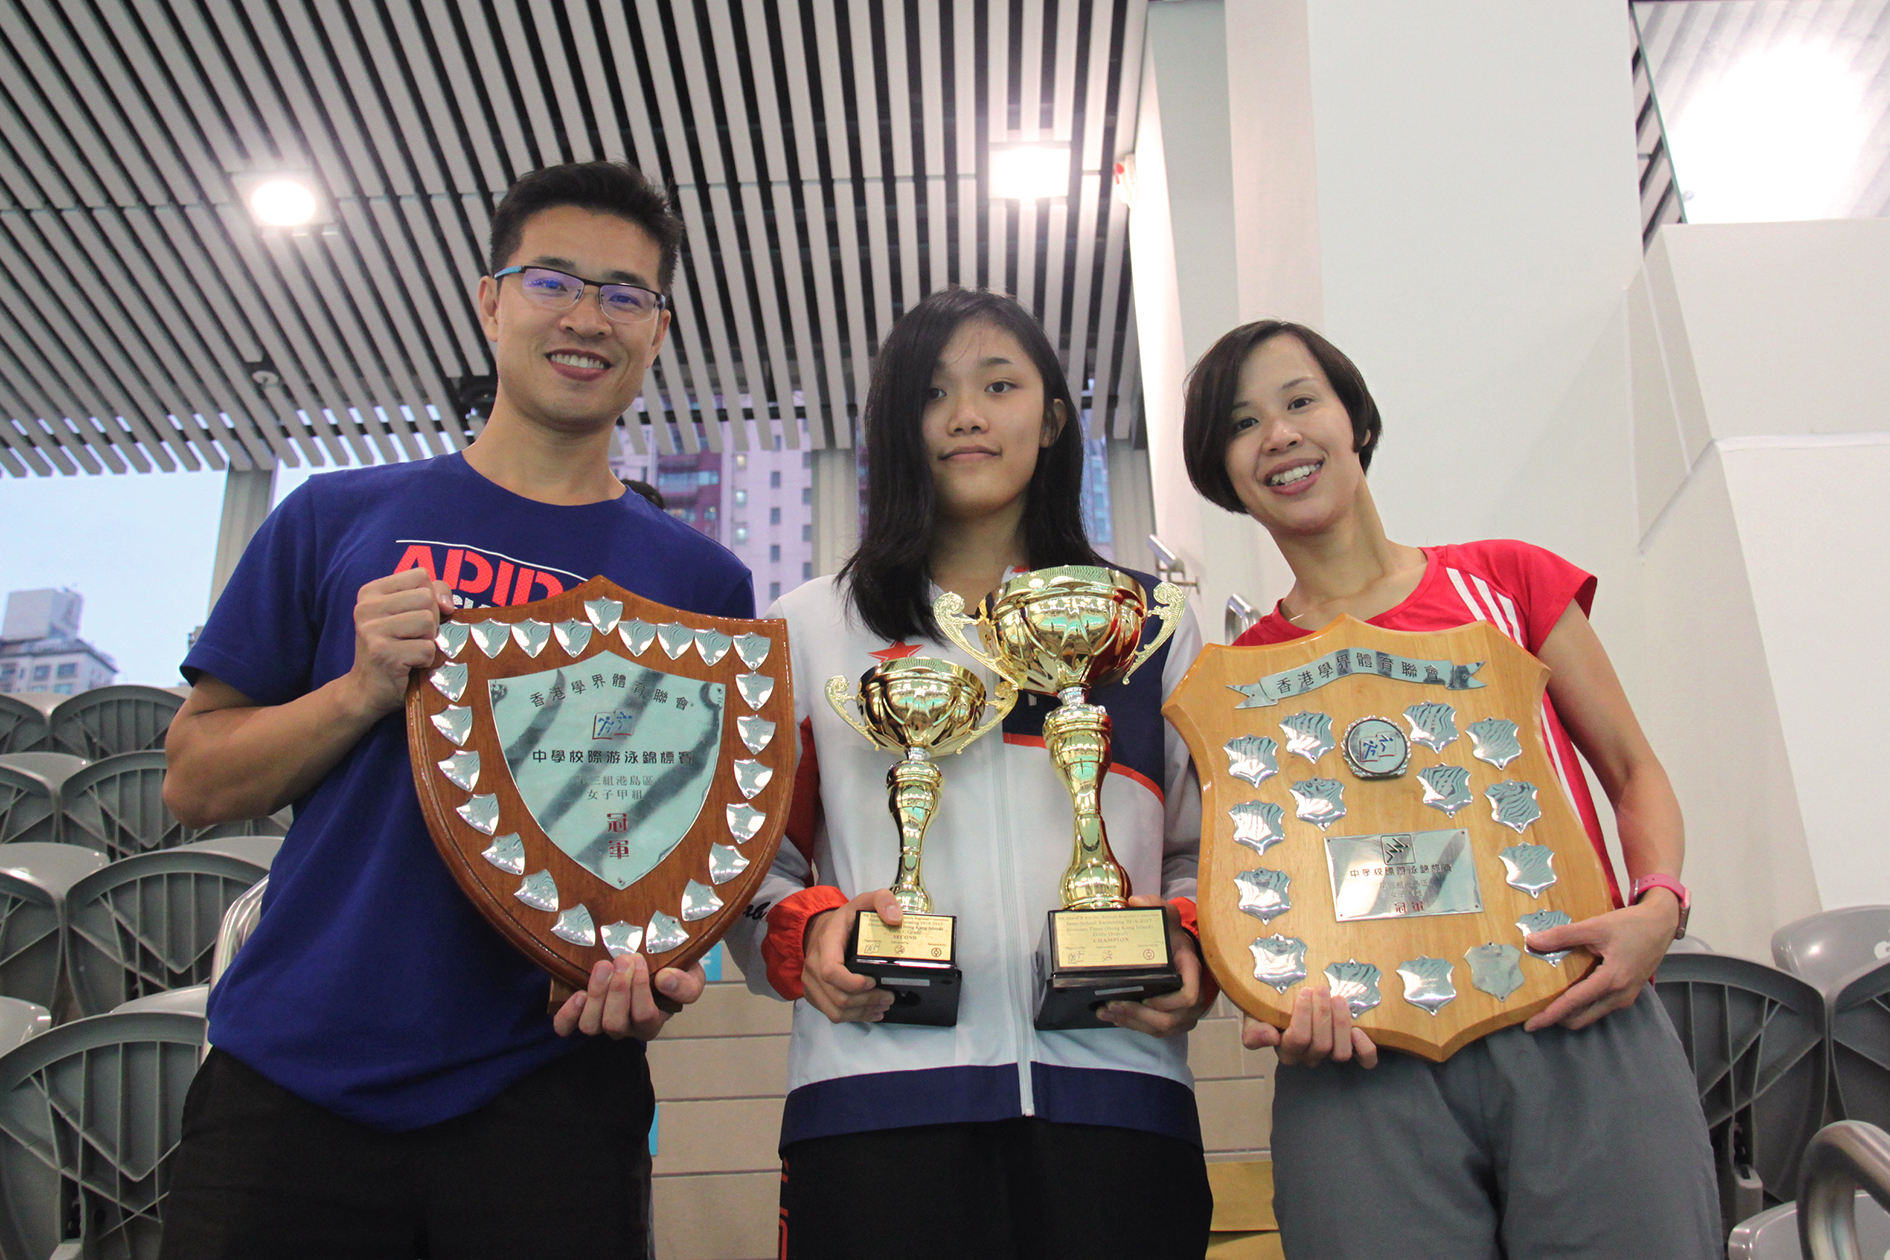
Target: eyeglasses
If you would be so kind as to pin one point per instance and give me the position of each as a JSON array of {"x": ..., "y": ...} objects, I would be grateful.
[{"x": 558, "y": 291}]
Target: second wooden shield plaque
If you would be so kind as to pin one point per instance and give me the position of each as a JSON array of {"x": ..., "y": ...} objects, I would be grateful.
[
  {"x": 1384, "y": 814},
  {"x": 605, "y": 775}
]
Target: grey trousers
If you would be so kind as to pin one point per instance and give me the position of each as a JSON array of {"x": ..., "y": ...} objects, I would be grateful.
[{"x": 1521, "y": 1146}]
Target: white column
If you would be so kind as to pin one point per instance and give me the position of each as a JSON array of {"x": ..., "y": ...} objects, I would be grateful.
[
  {"x": 836, "y": 507},
  {"x": 248, "y": 495},
  {"x": 1182, "y": 246}
]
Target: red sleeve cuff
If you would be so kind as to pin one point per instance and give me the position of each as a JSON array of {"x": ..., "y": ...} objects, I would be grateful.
[
  {"x": 1191, "y": 923},
  {"x": 782, "y": 949}
]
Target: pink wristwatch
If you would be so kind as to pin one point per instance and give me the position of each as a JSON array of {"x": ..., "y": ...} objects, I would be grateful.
[{"x": 1648, "y": 882}]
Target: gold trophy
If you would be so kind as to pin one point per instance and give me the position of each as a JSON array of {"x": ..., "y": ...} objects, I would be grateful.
[
  {"x": 922, "y": 708},
  {"x": 1063, "y": 632}
]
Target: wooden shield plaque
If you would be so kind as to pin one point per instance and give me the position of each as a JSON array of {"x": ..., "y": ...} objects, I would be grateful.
[
  {"x": 1383, "y": 812},
  {"x": 604, "y": 775}
]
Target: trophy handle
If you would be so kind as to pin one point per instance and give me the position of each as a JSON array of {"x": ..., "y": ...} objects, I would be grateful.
[
  {"x": 1003, "y": 700},
  {"x": 949, "y": 610},
  {"x": 1169, "y": 602},
  {"x": 841, "y": 700}
]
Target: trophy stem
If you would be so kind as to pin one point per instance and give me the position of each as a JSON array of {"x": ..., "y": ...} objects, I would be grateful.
[
  {"x": 912, "y": 795},
  {"x": 1077, "y": 736}
]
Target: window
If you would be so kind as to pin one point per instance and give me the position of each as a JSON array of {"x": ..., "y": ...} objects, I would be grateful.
[
  {"x": 774, "y": 516},
  {"x": 774, "y": 590},
  {"x": 41, "y": 672},
  {"x": 741, "y": 531},
  {"x": 64, "y": 689},
  {"x": 774, "y": 478},
  {"x": 807, "y": 494},
  {"x": 709, "y": 513},
  {"x": 807, "y": 532},
  {"x": 807, "y": 570},
  {"x": 807, "y": 459},
  {"x": 741, "y": 498},
  {"x": 774, "y": 553},
  {"x": 6, "y": 670},
  {"x": 741, "y": 460},
  {"x": 68, "y": 670}
]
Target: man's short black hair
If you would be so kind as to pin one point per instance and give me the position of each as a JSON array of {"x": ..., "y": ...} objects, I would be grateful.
[
  {"x": 1207, "y": 420},
  {"x": 604, "y": 187}
]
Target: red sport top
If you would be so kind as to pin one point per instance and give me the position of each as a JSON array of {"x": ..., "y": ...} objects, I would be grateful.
[{"x": 1522, "y": 590}]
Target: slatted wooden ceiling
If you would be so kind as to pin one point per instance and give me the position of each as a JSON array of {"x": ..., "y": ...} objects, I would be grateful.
[{"x": 829, "y": 156}]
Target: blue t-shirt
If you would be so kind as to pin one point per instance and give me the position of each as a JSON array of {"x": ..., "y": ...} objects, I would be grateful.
[{"x": 371, "y": 985}]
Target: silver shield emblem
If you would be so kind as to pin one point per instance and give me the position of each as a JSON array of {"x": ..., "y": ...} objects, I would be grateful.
[
  {"x": 1252, "y": 758},
  {"x": 1494, "y": 740},
  {"x": 603, "y": 613},
  {"x": 1263, "y": 893},
  {"x": 1513, "y": 804},
  {"x": 1356, "y": 982},
  {"x": 1279, "y": 961},
  {"x": 1445, "y": 787},
  {"x": 1495, "y": 969},
  {"x": 1542, "y": 921},
  {"x": 1530, "y": 867},
  {"x": 1258, "y": 824},
  {"x": 1308, "y": 735},
  {"x": 1433, "y": 724},
  {"x": 1320, "y": 801},
  {"x": 1427, "y": 983}
]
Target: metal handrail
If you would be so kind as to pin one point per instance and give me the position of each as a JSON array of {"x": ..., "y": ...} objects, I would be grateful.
[
  {"x": 238, "y": 922},
  {"x": 1239, "y": 617},
  {"x": 1842, "y": 1158},
  {"x": 1170, "y": 567}
]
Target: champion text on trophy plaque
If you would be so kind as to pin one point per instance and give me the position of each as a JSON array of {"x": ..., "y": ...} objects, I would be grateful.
[
  {"x": 1383, "y": 810},
  {"x": 920, "y": 708},
  {"x": 1063, "y": 632},
  {"x": 604, "y": 775}
]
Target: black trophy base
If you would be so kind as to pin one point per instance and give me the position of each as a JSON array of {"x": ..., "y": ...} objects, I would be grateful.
[
  {"x": 1092, "y": 957},
  {"x": 912, "y": 962}
]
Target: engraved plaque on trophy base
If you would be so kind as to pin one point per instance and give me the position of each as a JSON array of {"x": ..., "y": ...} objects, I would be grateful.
[
  {"x": 913, "y": 962},
  {"x": 1090, "y": 957}
]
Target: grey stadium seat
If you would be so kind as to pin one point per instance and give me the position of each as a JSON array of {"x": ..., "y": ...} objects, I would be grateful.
[
  {"x": 192, "y": 1000},
  {"x": 23, "y": 728},
  {"x": 107, "y": 721},
  {"x": 1689, "y": 944},
  {"x": 1829, "y": 947},
  {"x": 1773, "y": 1233},
  {"x": 34, "y": 880},
  {"x": 89, "y": 1114},
  {"x": 117, "y": 807},
  {"x": 29, "y": 808},
  {"x": 1860, "y": 1047},
  {"x": 148, "y": 923},
  {"x": 1756, "y": 1039},
  {"x": 20, "y": 1021}
]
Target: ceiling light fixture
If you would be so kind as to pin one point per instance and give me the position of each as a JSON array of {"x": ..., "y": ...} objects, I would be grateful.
[
  {"x": 283, "y": 202},
  {"x": 1030, "y": 172}
]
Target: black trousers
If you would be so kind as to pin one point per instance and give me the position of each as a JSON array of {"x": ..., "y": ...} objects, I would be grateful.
[
  {"x": 1023, "y": 1189},
  {"x": 557, "y": 1166}
]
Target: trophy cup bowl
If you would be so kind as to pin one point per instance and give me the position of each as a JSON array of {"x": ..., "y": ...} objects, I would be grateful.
[
  {"x": 921, "y": 708},
  {"x": 1063, "y": 632}
]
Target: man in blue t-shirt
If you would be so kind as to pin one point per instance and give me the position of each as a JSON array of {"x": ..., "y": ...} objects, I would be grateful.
[{"x": 386, "y": 1081}]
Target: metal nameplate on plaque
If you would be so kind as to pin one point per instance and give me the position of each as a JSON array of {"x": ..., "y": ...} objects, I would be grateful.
[
  {"x": 919, "y": 937},
  {"x": 646, "y": 742},
  {"x": 1401, "y": 875}
]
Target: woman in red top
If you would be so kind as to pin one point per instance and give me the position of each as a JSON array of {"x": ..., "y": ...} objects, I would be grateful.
[{"x": 1579, "y": 1132}]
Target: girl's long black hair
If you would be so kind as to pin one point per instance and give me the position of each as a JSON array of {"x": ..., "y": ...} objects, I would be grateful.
[{"x": 888, "y": 579}]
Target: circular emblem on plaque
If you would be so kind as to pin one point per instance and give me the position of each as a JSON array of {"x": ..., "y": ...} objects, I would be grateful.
[{"x": 1376, "y": 749}]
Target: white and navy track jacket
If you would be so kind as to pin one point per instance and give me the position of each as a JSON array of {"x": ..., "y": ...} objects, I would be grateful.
[{"x": 994, "y": 856}]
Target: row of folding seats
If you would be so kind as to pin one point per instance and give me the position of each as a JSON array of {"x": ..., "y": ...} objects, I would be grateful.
[
  {"x": 80, "y": 935},
  {"x": 114, "y": 805},
  {"x": 103, "y": 722},
  {"x": 1779, "y": 1051}
]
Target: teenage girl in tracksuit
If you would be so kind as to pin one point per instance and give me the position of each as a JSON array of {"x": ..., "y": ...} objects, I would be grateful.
[{"x": 989, "y": 1138}]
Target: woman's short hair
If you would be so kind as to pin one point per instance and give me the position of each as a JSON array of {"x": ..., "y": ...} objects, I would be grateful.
[
  {"x": 1213, "y": 385},
  {"x": 888, "y": 579}
]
